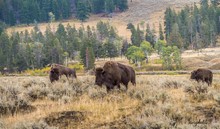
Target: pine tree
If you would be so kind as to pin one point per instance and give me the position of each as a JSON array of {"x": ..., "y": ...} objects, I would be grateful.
[
  {"x": 149, "y": 35},
  {"x": 175, "y": 38},
  {"x": 161, "y": 32},
  {"x": 87, "y": 54},
  {"x": 169, "y": 21},
  {"x": 98, "y": 6},
  {"x": 111, "y": 49},
  {"x": 109, "y": 6},
  {"x": 5, "y": 52},
  {"x": 82, "y": 11}
]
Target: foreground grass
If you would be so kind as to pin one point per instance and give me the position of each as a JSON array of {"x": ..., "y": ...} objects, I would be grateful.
[{"x": 157, "y": 101}]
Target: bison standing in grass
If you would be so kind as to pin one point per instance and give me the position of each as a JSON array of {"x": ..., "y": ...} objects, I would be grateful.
[
  {"x": 54, "y": 75},
  {"x": 113, "y": 73},
  {"x": 68, "y": 72},
  {"x": 203, "y": 75}
]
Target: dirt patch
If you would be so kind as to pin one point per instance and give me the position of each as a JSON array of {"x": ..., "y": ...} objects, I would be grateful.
[{"x": 65, "y": 119}]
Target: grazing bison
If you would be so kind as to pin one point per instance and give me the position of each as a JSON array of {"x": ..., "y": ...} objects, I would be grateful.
[
  {"x": 203, "y": 75},
  {"x": 68, "y": 72},
  {"x": 113, "y": 74},
  {"x": 54, "y": 75}
]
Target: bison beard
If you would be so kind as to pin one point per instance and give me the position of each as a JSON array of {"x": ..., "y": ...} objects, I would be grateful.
[
  {"x": 114, "y": 73},
  {"x": 54, "y": 75},
  {"x": 203, "y": 75},
  {"x": 64, "y": 71}
]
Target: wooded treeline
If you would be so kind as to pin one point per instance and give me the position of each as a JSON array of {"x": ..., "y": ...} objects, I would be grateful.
[
  {"x": 195, "y": 26},
  {"x": 35, "y": 49},
  {"x": 27, "y": 11}
]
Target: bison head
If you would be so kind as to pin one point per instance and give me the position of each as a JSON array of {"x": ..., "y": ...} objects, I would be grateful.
[
  {"x": 99, "y": 80},
  {"x": 102, "y": 77},
  {"x": 193, "y": 74},
  {"x": 54, "y": 70}
]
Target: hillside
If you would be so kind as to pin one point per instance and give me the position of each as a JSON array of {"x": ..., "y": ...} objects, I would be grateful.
[{"x": 149, "y": 11}]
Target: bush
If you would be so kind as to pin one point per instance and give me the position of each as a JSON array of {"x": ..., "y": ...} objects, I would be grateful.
[
  {"x": 2, "y": 125},
  {"x": 76, "y": 66},
  {"x": 12, "y": 100},
  {"x": 96, "y": 92},
  {"x": 37, "y": 72}
]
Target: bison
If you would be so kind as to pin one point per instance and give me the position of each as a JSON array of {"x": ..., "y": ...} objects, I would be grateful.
[
  {"x": 203, "y": 75},
  {"x": 68, "y": 72},
  {"x": 54, "y": 75},
  {"x": 113, "y": 74}
]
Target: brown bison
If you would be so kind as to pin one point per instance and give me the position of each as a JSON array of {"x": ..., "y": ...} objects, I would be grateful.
[
  {"x": 113, "y": 74},
  {"x": 54, "y": 75},
  {"x": 203, "y": 75},
  {"x": 68, "y": 72},
  {"x": 130, "y": 73}
]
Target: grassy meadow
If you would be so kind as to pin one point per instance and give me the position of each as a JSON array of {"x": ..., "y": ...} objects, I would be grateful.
[{"x": 157, "y": 101}]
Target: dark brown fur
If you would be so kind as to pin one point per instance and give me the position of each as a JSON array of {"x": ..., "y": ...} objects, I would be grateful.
[
  {"x": 103, "y": 78},
  {"x": 110, "y": 78},
  {"x": 203, "y": 75},
  {"x": 112, "y": 69},
  {"x": 54, "y": 75},
  {"x": 68, "y": 72},
  {"x": 129, "y": 71}
]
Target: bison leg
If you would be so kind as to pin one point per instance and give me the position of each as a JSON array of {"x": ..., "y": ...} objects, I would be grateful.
[
  {"x": 108, "y": 88},
  {"x": 133, "y": 83}
]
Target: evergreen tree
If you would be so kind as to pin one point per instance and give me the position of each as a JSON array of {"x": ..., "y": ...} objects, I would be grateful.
[
  {"x": 161, "y": 34},
  {"x": 2, "y": 27},
  {"x": 5, "y": 51},
  {"x": 149, "y": 35},
  {"x": 87, "y": 55},
  {"x": 82, "y": 11},
  {"x": 175, "y": 38},
  {"x": 111, "y": 49},
  {"x": 125, "y": 46},
  {"x": 169, "y": 21},
  {"x": 109, "y": 6},
  {"x": 98, "y": 6}
]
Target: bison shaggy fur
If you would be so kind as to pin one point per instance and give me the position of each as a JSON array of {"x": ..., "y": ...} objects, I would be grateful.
[
  {"x": 114, "y": 73},
  {"x": 201, "y": 74},
  {"x": 54, "y": 75},
  {"x": 68, "y": 72}
]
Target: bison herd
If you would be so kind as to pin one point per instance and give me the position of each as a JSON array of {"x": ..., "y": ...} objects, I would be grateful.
[{"x": 113, "y": 74}]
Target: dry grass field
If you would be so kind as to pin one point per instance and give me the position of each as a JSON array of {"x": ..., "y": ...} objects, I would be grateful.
[{"x": 157, "y": 101}]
